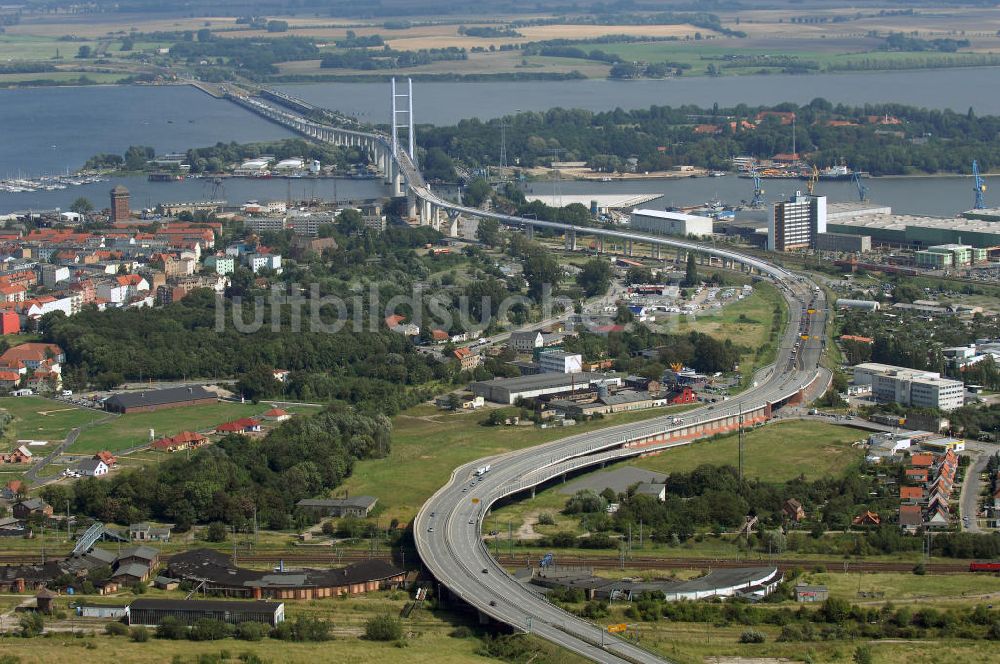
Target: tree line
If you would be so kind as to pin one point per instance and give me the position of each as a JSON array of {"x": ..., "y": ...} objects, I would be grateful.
[
  {"x": 237, "y": 477},
  {"x": 661, "y": 137}
]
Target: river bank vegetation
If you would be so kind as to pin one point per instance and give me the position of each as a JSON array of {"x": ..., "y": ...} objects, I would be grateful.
[{"x": 882, "y": 139}]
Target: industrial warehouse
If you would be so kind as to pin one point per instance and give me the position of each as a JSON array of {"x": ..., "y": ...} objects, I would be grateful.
[
  {"x": 753, "y": 583},
  {"x": 215, "y": 574}
]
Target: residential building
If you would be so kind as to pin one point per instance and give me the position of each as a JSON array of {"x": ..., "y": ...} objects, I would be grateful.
[
  {"x": 182, "y": 441},
  {"x": 261, "y": 261},
  {"x": 655, "y": 490},
  {"x": 145, "y": 532},
  {"x": 30, "y": 507},
  {"x": 53, "y": 274},
  {"x": 796, "y": 223},
  {"x": 276, "y": 415},
  {"x": 467, "y": 358},
  {"x": 793, "y": 511},
  {"x": 242, "y": 425},
  {"x": 220, "y": 264},
  {"x": 525, "y": 342},
  {"x": 670, "y": 223},
  {"x": 92, "y": 468}
]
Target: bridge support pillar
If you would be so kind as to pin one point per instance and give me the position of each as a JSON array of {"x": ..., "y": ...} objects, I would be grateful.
[
  {"x": 600, "y": 245},
  {"x": 654, "y": 251},
  {"x": 452, "y": 225},
  {"x": 397, "y": 182},
  {"x": 532, "y": 492},
  {"x": 529, "y": 232},
  {"x": 411, "y": 206},
  {"x": 570, "y": 240}
]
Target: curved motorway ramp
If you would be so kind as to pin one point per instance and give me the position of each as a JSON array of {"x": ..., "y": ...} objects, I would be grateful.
[{"x": 448, "y": 527}]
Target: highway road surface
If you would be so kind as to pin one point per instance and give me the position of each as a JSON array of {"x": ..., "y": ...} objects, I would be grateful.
[{"x": 448, "y": 527}]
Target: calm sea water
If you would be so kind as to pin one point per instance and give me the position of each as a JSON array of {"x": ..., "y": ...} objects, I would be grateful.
[
  {"x": 449, "y": 102},
  {"x": 50, "y": 130}
]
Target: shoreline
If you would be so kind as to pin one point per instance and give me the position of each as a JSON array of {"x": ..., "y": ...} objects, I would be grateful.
[{"x": 486, "y": 77}]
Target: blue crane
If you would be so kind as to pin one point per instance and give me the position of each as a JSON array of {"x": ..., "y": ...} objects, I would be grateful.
[
  {"x": 758, "y": 193},
  {"x": 862, "y": 189},
  {"x": 979, "y": 187}
]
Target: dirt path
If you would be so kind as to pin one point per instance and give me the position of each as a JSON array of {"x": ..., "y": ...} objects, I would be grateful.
[{"x": 526, "y": 531}]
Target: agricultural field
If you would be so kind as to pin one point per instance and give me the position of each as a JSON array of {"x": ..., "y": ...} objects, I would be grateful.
[
  {"x": 133, "y": 429},
  {"x": 37, "y": 418}
]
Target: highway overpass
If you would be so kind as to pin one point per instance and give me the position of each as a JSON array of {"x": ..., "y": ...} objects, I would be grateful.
[{"x": 447, "y": 528}]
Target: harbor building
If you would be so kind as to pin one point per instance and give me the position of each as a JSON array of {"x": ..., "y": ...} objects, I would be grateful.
[
  {"x": 796, "y": 223},
  {"x": 671, "y": 223},
  {"x": 910, "y": 387},
  {"x": 906, "y": 230}
]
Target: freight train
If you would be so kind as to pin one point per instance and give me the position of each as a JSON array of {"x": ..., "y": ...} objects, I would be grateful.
[{"x": 984, "y": 567}]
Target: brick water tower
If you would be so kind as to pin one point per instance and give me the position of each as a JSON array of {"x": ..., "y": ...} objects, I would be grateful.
[{"x": 120, "y": 204}]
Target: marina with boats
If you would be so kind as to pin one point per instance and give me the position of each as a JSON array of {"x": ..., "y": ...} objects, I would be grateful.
[{"x": 47, "y": 183}]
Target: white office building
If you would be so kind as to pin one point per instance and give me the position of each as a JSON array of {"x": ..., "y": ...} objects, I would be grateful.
[
  {"x": 910, "y": 387},
  {"x": 670, "y": 223},
  {"x": 795, "y": 223},
  {"x": 559, "y": 361}
]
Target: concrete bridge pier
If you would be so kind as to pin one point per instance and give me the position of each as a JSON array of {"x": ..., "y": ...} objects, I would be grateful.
[
  {"x": 412, "y": 212},
  {"x": 529, "y": 232},
  {"x": 397, "y": 182},
  {"x": 654, "y": 251},
  {"x": 570, "y": 240},
  {"x": 600, "y": 245},
  {"x": 386, "y": 165},
  {"x": 452, "y": 225}
]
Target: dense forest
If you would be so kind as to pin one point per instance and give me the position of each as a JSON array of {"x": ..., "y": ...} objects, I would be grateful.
[
  {"x": 228, "y": 481},
  {"x": 375, "y": 368},
  {"x": 661, "y": 137}
]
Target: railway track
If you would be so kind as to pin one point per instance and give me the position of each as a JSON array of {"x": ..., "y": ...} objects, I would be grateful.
[{"x": 596, "y": 562}]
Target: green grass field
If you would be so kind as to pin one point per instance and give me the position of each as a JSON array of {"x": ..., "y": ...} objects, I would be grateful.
[
  {"x": 426, "y": 638},
  {"x": 38, "y": 418},
  {"x": 69, "y": 77},
  {"x": 746, "y": 323},
  {"x": 133, "y": 429},
  {"x": 427, "y": 444},
  {"x": 774, "y": 453},
  {"x": 30, "y": 47},
  {"x": 901, "y": 587}
]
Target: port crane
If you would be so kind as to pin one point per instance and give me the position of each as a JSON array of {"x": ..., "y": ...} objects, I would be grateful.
[
  {"x": 758, "y": 193},
  {"x": 979, "y": 187},
  {"x": 862, "y": 189},
  {"x": 813, "y": 179}
]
